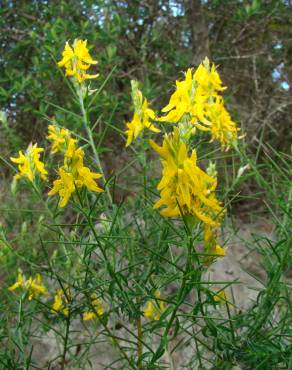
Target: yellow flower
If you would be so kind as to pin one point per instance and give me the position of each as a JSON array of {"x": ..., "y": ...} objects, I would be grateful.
[
  {"x": 219, "y": 250},
  {"x": 32, "y": 286},
  {"x": 184, "y": 187},
  {"x": 208, "y": 79},
  {"x": 220, "y": 296},
  {"x": 64, "y": 186},
  {"x": 61, "y": 303},
  {"x": 197, "y": 102},
  {"x": 193, "y": 93},
  {"x": 180, "y": 101},
  {"x": 73, "y": 163},
  {"x": 29, "y": 164},
  {"x": 18, "y": 284},
  {"x": 154, "y": 308},
  {"x": 98, "y": 309},
  {"x": 142, "y": 115},
  {"x": 77, "y": 60},
  {"x": 87, "y": 178},
  {"x": 218, "y": 121},
  {"x": 70, "y": 151},
  {"x": 211, "y": 245},
  {"x": 73, "y": 174},
  {"x": 58, "y": 136}
]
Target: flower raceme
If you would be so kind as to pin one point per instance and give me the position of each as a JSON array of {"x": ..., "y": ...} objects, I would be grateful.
[
  {"x": 185, "y": 189},
  {"x": 61, "y": 303},
  {"x": 193, "y": 93},
  {"x": 59, "y": 137},
  {"x": 180, "y": 101},
  {"x": 195, "y": 104},
  {"x": 29, "y": 163},
  {"x": 197, "y": 100},
  {"x": 77, "y": 60},
  {"x": 207, "y": 79},
  {"x": 73, "y": 174},
  {"x": 218, "y": 121},
  {"x": 142, "y": 115},
  {"x": 33, "y": 287}
]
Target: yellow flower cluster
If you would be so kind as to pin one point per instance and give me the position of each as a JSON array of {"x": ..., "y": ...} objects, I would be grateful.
[
  {"x": 77, "y": 60},
  {"x": 185, "y": 189},
  {"x": 142, "y": 115},
  {"x": 73, "y": 174},
  {"x": 195, "y": 104},
  {"x": 33, "y": 287},
  {"x": 97, "y": 309},
  {"x": 197, "y": 100},
  {"x": 61, "y": 303},
  {"x": 59, "y": 137},
  {"x": 154, "y": 308},
  {"x": 29, "y": 163}
]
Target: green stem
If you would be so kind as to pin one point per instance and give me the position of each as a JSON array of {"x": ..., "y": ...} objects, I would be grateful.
[
  {"x": 109, "y": 334},
  {"x": 91, "y": 141},
  {"x": 116, "y": 342},
  {"x": 110, "y": 269},
  {"x": 52, "y": 216},
  {"x": 181, "y": 297},
  {"x": 139, "y": 343},
  {"x": 65, "y": 343}
]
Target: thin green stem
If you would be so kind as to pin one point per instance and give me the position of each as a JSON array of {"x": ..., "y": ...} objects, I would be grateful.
[
  {"x": 181, "y": 296},
  {"x": 109, "y": 334},
  {"x": 110, "y": 269},
  {"x": 139, "y": 343},
  {"x": 65, "y": 348},
  {"x": 91, "y": 141},
  {"x": 52, "y": 216}
]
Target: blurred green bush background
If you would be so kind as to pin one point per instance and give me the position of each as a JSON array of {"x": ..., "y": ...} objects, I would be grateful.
[{"x": 152, "y": 41}]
